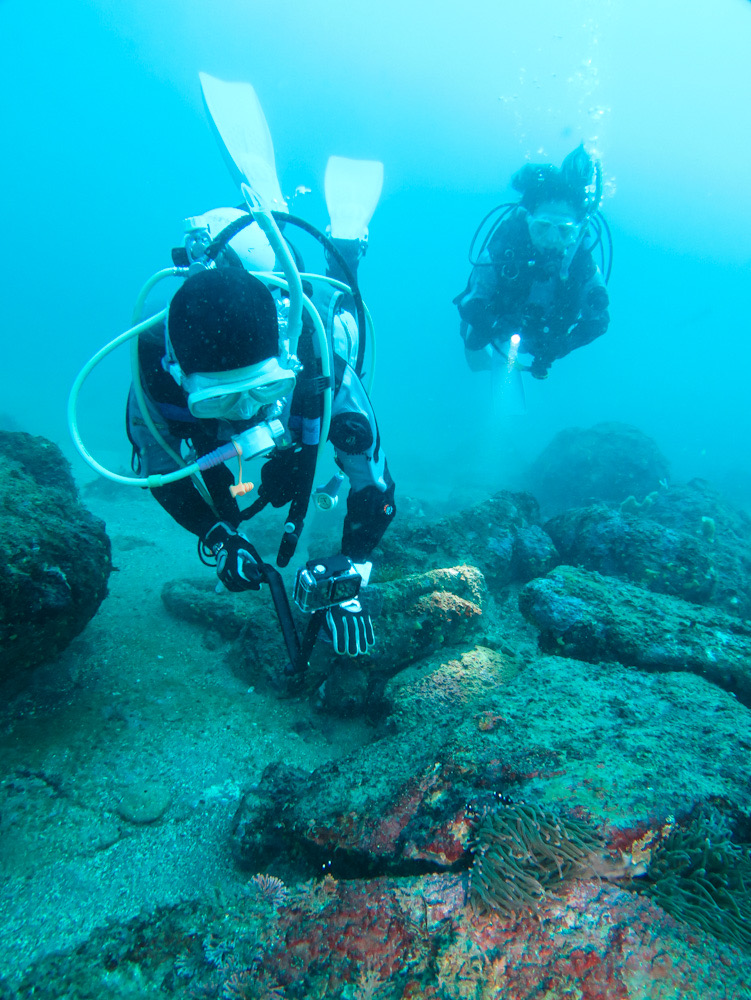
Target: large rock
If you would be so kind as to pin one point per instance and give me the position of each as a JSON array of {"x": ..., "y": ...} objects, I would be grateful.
[
  {"x": 404, "y": 939},
  {"x": 686, "y": 541},
  {"x": 563, "y": 736},
  {"x": 412, "y": 617},
  {"x": 617, "y": 542},
  {"x": 722, "y": 531},
  {"x": 502, "y": 536},
  {"x": 560, "y": 733},
  {"x": 610, "y": 461},
  {"x": 54, "y": 555},
  {"x": 601, "y": 619}
]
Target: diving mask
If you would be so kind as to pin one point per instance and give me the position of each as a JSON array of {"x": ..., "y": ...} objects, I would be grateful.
[
  {"x": 553, "y": 228},
  {"x": 238, "y": 394}
]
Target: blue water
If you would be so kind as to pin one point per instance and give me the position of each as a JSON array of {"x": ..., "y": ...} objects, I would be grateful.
[{"x": 107, "y": 149}]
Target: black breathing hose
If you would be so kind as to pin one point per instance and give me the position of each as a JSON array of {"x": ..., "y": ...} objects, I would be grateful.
[{"x": 329, "y": 246}]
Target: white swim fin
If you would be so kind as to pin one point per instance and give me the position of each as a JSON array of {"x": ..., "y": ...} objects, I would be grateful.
[
  {"x": 352, "y": 189},
  {"x": 244, "y": 138}
]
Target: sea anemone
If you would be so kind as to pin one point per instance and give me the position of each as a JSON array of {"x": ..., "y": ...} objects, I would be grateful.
[
  {"x": 699, "y": 876},
  {"x": 520, "y": 851}
]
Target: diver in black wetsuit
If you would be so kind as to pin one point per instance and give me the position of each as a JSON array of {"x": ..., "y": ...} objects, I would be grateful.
[
  {"x": 219, "y": 371},
  {"x": 535, "y": 279}
]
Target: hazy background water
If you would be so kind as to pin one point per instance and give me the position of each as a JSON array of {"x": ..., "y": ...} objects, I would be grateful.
[{"x": 107, "y": 149}]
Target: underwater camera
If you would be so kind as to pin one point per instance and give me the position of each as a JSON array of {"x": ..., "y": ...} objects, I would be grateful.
[{"x": 323, "y": 582}]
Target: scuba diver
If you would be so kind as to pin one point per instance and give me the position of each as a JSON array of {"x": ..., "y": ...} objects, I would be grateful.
[
  {"x": 253, "y": 358},
  {"x": 535, "y": 287},
  {"x": 220, "y": 369}
]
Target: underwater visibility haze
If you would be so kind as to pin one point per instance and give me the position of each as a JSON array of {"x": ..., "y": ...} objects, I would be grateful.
[
  {"x": 536, "y": 781},
  {"x": 109, "y": 149}
]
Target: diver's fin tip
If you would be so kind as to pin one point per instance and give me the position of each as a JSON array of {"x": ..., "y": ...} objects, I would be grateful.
[
  {"x": 243, "y": 134},
  {"x": 352, "y": 189}
]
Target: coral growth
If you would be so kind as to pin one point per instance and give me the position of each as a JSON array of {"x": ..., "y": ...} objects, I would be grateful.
[{"x": 270, "y": 888}]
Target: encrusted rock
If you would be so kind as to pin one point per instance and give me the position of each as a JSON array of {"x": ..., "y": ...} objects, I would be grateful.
[
  {"x": 723, "y": 534},
  {"x": 636, "y": 548},
  {"x": 402, "y": 938},
  {"x": 412, "y": 616},
  {"x": 55, "y": 556},
  {"x": 683, "y": 540},
  {"x": 230, "y": 615},
  {"x": 502, "y": 536},
  {"x": 561, "y": 733},
  {"x": 600, "y": 619},
  {"x": 416, "y": 614}
]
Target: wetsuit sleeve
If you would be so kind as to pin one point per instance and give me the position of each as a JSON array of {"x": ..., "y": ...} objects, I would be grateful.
[
  {"x": 184, "y": 503},
  {"x": 490, "y": 304},
  {"x": 592, "y": 322},
  {"x": 180, "y": 499},
  {"x": 369, "y": 513},
  {"x": 356, "y": 439},
  {"x": 594, "y": 318},
  {"x": 476, "y": 305}
]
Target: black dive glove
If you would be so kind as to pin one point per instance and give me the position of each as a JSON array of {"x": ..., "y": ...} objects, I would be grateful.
[
  {"x": 350, "y": 628},
  {"x": 539, "y": 368},
  {"x": 236, "y": 566},
  {"x": 280, "y": 476}
]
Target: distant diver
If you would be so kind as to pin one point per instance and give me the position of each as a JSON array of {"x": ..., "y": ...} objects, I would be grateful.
[{"x": 535, "y": 287}]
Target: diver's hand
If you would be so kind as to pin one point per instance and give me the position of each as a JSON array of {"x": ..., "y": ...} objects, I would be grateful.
[
  {"x": 539, "y": 369},
  {"x": 280, "y": 477},
  {"x": 350, "y": 628},
  {"x": 236, "y": 566}
]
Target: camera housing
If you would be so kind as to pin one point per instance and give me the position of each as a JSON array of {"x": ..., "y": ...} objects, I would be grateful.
[{"x": 321, "y": 583}]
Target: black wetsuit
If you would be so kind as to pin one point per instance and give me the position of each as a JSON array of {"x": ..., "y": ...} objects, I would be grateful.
[
  {"x": 516, "y": 288},
  {"x": 354, "y": 434}
]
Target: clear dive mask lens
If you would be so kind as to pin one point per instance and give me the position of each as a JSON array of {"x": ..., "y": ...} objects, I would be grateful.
[
  {"x": 226, "y": 406},
  {"x": 272, "y": 391},
  {"x": 238, "y": 394},
  {"x": 553, "y": 234}
]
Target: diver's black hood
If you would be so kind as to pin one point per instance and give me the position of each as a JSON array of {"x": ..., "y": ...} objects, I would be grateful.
[
  {"x": 541, "y": 182},
  {"x": 221, "y": 319}
]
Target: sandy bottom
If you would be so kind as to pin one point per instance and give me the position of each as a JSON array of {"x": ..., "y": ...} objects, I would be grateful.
[{"x": 142, "y": 716}]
